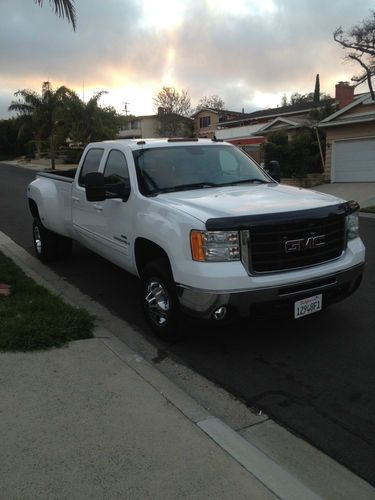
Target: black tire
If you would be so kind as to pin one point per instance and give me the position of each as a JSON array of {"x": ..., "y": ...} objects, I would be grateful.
[
  {"x": 159, "y": 300},
  {"x": 48, "y": 245}
]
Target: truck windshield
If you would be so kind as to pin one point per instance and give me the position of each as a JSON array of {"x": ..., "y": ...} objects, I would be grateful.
[{"x": 181, "y": 168}]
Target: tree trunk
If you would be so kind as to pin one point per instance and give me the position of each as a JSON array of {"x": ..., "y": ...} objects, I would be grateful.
[
  {"x": 52, "y": 151},
  {"x": 371, "y": 89}
]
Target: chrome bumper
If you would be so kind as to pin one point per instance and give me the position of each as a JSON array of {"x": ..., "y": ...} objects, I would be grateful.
[{"x": 334, "y": 287}]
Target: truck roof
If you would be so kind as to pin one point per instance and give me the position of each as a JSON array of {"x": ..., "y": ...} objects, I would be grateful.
[{"x": 158, "y": 142}]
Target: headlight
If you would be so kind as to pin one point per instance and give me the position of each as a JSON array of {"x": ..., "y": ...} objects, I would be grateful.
[
  {"x": 352, "y": 226},
  {"x": 215, "y": 246}
]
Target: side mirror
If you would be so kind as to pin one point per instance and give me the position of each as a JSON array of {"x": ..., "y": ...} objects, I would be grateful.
[{"x": 95, "y": 186}]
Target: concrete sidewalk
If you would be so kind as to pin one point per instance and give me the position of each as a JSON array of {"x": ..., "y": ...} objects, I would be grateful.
[
  {"x": 96, "y": 420},
  {"x": 79, "y": 423},
  {"x": 39, "y": 165}
]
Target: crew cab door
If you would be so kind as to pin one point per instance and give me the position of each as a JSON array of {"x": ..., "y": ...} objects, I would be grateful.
[
  {"x": 86, "y": 216},
  {"x": 105, "y": 226},
  {"x": 116, "y": 232}
]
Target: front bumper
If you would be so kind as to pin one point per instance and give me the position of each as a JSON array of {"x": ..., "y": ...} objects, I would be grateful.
[{"x": 334, "y": 287}]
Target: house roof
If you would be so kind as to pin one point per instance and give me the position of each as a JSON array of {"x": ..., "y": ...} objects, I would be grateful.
[
  {"x": 141, "y": 117},
  {"x": 290, "y": 123},
  {"x": 338, "y": 118},
  {"x": 217, "y": 111},
  {"x": 228, "y": 134},
  {"x": 300, "y": 107}
]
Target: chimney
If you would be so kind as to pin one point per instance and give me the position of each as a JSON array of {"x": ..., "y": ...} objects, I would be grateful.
[
  {"x": 344, "y": 94},
  {"x": 161, "y": 110}
]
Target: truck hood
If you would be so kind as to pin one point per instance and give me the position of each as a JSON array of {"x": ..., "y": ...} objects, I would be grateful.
[{"x": 232, "y": 201}]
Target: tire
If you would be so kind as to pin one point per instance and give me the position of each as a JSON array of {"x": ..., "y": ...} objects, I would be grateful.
[
  {"x": 159, "y": 300},
  {"x": 49, "y": 246}
]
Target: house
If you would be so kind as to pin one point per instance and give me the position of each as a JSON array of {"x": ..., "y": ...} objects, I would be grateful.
[
  {"x": 206, "y": 120},
  {"x": 160, "y": 125},
  {"x": 138, "y": 126},
  {"x": 248, "y": 132},
  {"x": 350, "y": 137}
]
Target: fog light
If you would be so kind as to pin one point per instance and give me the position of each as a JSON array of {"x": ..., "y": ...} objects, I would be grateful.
[{"x": 220, "y": 313}]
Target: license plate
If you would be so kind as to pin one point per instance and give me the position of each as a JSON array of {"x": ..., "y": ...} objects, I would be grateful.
[{"x": 307, "y": 306}]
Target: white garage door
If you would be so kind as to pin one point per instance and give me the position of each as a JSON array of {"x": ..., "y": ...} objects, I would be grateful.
[{"x": 354, "y": 161}]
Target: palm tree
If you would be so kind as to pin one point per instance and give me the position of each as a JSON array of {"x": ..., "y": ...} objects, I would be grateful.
[
  {"x": 90, "y": 122},
  {"x": 45, "y": 112},
  {"x": 85, "y": 118},
  {"x": 63, "y": 8}
]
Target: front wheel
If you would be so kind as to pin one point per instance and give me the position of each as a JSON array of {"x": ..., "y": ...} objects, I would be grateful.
[{"x": 159, "y": 300}]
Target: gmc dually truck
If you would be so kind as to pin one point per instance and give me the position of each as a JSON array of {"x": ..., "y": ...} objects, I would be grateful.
[{"x": 209, "y": 233}]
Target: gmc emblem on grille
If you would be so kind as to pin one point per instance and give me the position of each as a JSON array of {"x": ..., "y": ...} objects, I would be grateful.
[{"x": 305, "y": 243}]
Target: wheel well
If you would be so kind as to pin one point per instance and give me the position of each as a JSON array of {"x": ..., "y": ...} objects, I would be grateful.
[
  {"x": 147, "y": 251},
  {"x": 33, "y": 208}
]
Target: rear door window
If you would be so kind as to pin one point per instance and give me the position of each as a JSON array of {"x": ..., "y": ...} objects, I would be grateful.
[
  {"x": 116, "y": 169},
  {"x": 90, "y": 163}
]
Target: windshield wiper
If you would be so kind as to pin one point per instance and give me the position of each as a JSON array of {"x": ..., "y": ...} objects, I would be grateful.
[
  {"x": 183, "y": 187},
  {"x": 245, "y": 181}
]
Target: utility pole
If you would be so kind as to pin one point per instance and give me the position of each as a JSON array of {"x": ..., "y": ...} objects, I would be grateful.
[{"x": 126, "y": 108}]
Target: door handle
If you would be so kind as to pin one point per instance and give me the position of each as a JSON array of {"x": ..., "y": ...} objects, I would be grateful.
[
  {"x": 75, "y": 199},
  {"x": 97, "y": 207}
]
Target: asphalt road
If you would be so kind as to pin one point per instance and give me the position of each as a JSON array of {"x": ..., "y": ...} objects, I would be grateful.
[{"x": 315, "y": 376}]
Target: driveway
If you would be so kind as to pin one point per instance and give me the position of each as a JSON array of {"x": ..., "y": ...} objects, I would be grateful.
[{"x": 363, "y": 192}]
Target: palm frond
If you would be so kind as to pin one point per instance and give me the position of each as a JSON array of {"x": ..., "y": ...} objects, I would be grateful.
[{"x": 63, "y": 8}]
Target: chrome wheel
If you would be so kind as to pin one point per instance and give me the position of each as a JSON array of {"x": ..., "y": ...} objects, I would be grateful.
[
  {"x": 156, "y": 302},
  {"x": 37, "y": 240}
]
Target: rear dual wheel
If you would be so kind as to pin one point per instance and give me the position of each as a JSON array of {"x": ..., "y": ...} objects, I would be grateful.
[{"x": 48, "y": 245}]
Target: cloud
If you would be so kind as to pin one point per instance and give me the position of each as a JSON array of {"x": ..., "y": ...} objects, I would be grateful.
[{"x": 238, "y": 50}]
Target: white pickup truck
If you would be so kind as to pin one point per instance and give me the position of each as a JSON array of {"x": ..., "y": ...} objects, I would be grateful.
[{"x": 209, "y": 233}]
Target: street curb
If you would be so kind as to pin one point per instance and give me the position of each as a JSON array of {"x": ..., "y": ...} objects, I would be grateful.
[
  {"x": 274, "y": 477},
  {"x": 367, "y": 215}
]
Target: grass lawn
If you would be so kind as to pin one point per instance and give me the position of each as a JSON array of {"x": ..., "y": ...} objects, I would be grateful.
[
  {"x": 32, "y": 318},
  {"x": 370, "y": 210}
]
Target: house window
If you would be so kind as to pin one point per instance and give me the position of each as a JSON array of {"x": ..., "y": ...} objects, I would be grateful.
[{"x": 204, "y": 121}]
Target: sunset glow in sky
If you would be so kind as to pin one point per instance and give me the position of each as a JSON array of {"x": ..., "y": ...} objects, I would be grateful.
[{"x": 249, "y": 52}]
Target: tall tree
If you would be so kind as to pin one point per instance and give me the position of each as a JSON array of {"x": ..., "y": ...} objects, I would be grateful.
[
  {"x": 45, "y": 111},
  {"x": 297, "y": 98},
  {"x": 359, "y": 42},
  {"x": 211, "y": 101},
  {"x": 173, "y": 108},
  {"x": 317, "y": 90},
  {"x": 63, "y": 8},
  {"x": 172, "y": 101},
  {"x": 89, "y": 121}
]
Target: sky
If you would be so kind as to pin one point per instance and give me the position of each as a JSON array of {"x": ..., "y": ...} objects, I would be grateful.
[{"x": 249, "y": 52}]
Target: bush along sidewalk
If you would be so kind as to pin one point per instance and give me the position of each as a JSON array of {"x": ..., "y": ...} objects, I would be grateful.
[{"x": 32, "y": 318}]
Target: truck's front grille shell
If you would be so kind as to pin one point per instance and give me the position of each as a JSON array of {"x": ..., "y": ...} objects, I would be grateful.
[
  {"x": 284, "y": 241},
  {"x": 267, "y": 243}
]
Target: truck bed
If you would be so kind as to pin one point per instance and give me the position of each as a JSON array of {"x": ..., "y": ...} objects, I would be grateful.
[{"x": 59, "y": 175}]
